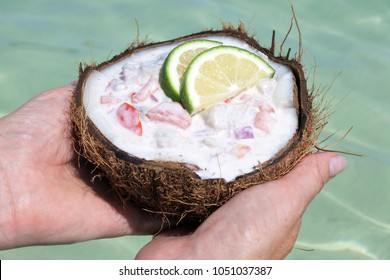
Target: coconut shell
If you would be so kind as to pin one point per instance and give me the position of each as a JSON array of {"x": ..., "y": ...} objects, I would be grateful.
[{"x": 171, "y": 189}]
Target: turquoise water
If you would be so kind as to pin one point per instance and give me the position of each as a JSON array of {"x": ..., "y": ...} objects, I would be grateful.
[{"x": 43, "y": 41}]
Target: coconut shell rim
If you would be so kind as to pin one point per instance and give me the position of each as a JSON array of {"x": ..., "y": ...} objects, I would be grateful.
[
  {"x": 170, "y": 189},
  {"x": 303, "y": 101}
]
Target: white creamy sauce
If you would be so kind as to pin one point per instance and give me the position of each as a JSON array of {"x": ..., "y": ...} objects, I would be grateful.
[{"x": 222, "y": 141}]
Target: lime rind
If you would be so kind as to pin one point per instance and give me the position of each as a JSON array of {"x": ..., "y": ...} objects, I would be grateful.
[
  {"x": 170, "y": 79},
  {"x": 188, "y": 94}
]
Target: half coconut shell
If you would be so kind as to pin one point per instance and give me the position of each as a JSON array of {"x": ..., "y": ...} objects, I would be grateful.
[{"x": 171, "y": 189}]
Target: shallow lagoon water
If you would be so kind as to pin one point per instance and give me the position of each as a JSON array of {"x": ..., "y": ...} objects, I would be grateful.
[{"x": 42, "y": 42}]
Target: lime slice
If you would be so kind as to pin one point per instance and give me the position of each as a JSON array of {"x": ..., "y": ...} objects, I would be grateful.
[
  {"x": 177, "y": 62},
  {"x": 221, "y": 73}
]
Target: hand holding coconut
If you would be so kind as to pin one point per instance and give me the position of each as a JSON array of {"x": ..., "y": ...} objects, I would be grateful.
[
  {"x": 208, "y": 129},
  {"x": 261, "y": 222},
  {"x": 45, "y": 198}
]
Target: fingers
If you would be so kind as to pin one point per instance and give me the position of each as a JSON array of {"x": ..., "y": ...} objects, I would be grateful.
[
  {"x": 308, "y": 178},
  {"x": 283, "y": 202},
  {"x": 261, "y": 222},
  {"x": 166, "y": 248}
]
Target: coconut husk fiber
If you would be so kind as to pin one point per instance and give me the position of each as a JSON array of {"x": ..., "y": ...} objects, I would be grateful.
[{"x": 171, "y": 189}]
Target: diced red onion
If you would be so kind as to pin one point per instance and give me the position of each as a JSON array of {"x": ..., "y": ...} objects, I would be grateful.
[
  {"x": 154, "y": 98},
  {"x": 245, "y": 132}
]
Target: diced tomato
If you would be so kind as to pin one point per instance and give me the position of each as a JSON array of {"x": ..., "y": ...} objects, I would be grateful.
[{"x": 129, "y": 117}]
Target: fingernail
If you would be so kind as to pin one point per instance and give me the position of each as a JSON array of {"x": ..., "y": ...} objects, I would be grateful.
[{"x": 336, "y": 165}]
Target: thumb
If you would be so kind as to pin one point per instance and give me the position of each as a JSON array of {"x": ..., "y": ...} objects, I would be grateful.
[{"x": 308, "y": 178}]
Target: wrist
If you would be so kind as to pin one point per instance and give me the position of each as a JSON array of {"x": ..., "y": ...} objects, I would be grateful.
[
  {"x": 3, "y": 148},
  {"x": 8, "y": 207},
  {"x": 3, "y": 144}
]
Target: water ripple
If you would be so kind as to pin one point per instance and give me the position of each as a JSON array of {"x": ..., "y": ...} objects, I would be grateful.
[
  {"x": 336, "y": 247},
  {"x": 384, "y": 226},
  {"x": 42, "y": 47},
  {"x": 374, "y": 20}
]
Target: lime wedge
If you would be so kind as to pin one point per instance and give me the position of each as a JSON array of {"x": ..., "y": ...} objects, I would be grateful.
[
  {"x": 220, "y": 73},
  {"x": 177, "y": 62}
]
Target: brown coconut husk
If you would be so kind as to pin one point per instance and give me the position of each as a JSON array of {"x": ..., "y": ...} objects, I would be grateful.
[{"x": 171, "y": 189}]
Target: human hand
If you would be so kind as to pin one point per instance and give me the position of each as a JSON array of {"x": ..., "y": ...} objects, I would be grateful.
[
  {"x": 261, "y": 222},
  {"x": 45, "y": 198}
]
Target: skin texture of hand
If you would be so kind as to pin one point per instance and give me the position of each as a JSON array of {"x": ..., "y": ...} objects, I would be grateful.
[
  {"x": 45, "y": 198},
  {"x": 261, "y": 222}
]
